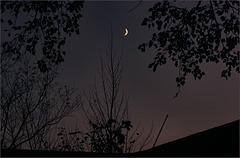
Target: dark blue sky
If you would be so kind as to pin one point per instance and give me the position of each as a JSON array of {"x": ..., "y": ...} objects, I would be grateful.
[{"x": 203, "y": 104}]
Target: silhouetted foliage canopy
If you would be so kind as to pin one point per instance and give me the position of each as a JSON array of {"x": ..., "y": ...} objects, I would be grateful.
[
  {"x": 46, "y": 23},
  {"x": 208, "y": 32}
]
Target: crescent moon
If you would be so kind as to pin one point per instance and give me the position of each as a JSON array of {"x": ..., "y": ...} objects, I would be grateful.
[{"x": 126, "y": 32}]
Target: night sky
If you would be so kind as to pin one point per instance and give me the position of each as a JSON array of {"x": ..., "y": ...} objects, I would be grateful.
[{"x": 201, "y": 104}]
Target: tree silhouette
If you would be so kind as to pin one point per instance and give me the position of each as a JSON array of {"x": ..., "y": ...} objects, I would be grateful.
[
  {"x": 31, "y": 102},
  {"x": 33, "y": 24},
  {"x": 208, "y": 32},
  {"x": 107, "y": 115}
]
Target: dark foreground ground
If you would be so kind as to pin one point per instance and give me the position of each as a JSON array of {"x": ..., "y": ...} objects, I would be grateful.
[{"x": 221, "y": 141}]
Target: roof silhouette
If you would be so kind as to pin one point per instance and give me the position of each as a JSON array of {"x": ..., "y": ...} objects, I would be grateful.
[{"x": 219, "y": 141}]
